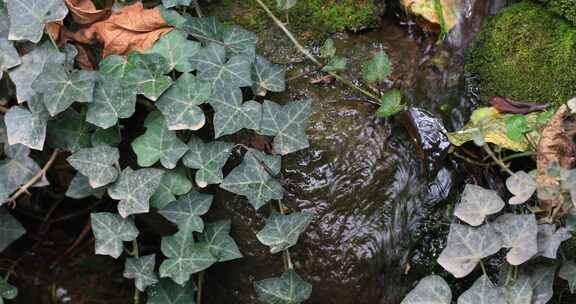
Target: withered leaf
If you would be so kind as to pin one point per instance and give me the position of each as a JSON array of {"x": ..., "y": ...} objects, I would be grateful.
[{"x": 85, "y": 12}]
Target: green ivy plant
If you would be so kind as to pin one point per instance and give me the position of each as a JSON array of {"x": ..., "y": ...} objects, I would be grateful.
[{"x": 62, "y": 111}]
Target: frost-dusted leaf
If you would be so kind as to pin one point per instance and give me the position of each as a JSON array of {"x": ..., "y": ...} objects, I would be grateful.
[
  {"x": 287, "y": 124},
  {"x": 174, "y": 182},
  {"x": 4, "y": 21},
  {"x": 542, "y": 281},
  {"x": 184, "y": 257},
  {"x": 173, "y": 3},
  {"x": 268, "y": 77},
  {"x": 204, "y": 29},
  {"x": 9, "y": 56},
  {"x": 16, "y": 170},
  {"x": 253, "y": 179},
  {"x": 80, "y": 188},
  {"x": 221, "y": 245},
  {"x": 115, "y": 66},
  {"x": 282, "y": 231},
  {"x": 10, "y": 229},
  {"x": 289, "y": 288},
  {"x": 549, "y": 239},
  {"x": 518, "y": 232},
  {"x": 110, "y": 230},
  {"x": 158, "y": 144},
  {"x": 148, "y": 74},
  {"x": 432, "y": 289},
  {"x": 180, "y": 104},
  {"x": 168, "y": 292},
  {"x": 239, "y": 41},
  {"x": 134, "y": 189},
  {"x": 223, "y": 74},
  {"x": 328, "y": 49},
  {"x": 286, "y": 4},
  {"x": 177, "y": 50},
  {"x": 232, "y": 115},
  {"x": 141, "y": 269},
  {"x": 112, "y": 101},
  {"x": 336, "y": 64},
  {"x": 25, "y": 127},
  {"x": 522, "y": 185},
  {"x": 186, "y": 211},
  {"x": 32, "y": 65},
  {"x": 466, "y": 247},
  {"x": 28, "y": 17},
  {"x": 7, "y": 291},
  {"x": 482, "y": 291},
  {"x": 61, "y": 88},
  {"x": 106, "y": 137},
  {"x": 378, "y": 68},
  {"x": 97, "y": 164},
  {"x": 477, "y": 203},
  {"x": 568, "y": 273},
  {"x": 69, "y": 131},
  {"x": 208, "y": 159},
  {"x": 520, "y": 292}
]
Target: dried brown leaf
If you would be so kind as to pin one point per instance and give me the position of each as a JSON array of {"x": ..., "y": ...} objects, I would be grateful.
[
  {"x": 54, "y": 29},
  {"x": 504, "y": 105},
  {"x": 85, "y": 12},
  {"x": 84, "y": 59}
]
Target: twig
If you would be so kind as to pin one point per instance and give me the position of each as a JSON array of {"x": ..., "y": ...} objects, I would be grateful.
[
  {"x": 200, "y": 287},
  {"x": 24, "y": 189},
  {"x": 3, "y": 109},
  {"x": 496, "y": 159},
  {"x": 303, "y": 74},
  {"x": 198, "y": 9}
]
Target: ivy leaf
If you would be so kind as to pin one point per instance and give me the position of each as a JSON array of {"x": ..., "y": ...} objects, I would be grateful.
[
  {"x": 482, "y": 291},
  {"x": 61, "y": 88},
  {"x": 232, "y": 115},
  {"x": 223, "y": 74},
  {"x": 287, "y": 124},
  {"x": 466, "y": 247},
  {"x": 520, "y": 292},
  {"x": 10, "y": 229},
  {"x": 16, "y": 170},
  {"x": 158, "y": 144},
  {"x": 268, "y": 77},
  {"x": 208, "y": 158},
  {"x": 32, "y": 65},
  {"x": 168, "y": 292},
  {"x": 239, "y": 41},
  {"x": 148, "y": 74},
  {"x": 180, "y": 104},
  {"x": 518, "y": 232},
  {"x": 184, "y": 257},
  {"x": 186, "y": 211},
  {"x": 97, "y": 164},
  {"x": 378, "y": 68},
  {"x": 173, "y": 3},
  {"x": 432, "y": 289},
  {"x": 336, "y": 64},
  {"x": 289, "y": 288},
  {"x": 106, "y": 137},
  {"x": 4, "y": 21},
  {"x": 282, "y": 231},
  {"x": 26, "y": 128},
  {"x": 69, "y": 131},
  {"x": 204, "y": 29},
  {"x": 9, "y": 56},
  {"x": 80, "y": 188},
  {"x": 112, "y": 101},
  {"x": 328, "y": 49},
  {"x": 221, "y": 245},
  {"x": 176, "y": 49},
  {"x": 390, "y": 104},
  {"x": 477, "y": 203},
  {"x": 141, "y": 269},
  {"x": 134, "y": 189},
  {"x": 549, "y": 239},
  {"x": 522, "y": 185},
  {"x": 568, "y": 273},
  {"x": 28, "y": 17},
  {"x": 174, "y": 182},
  {"x": 252, "y": 178},
  {"x": 115, "y": 66},
  {"x": 542, "y": 281},
  {"x": 110, "y": 230},
  {"x": 286, "y": 4},
  {"x": 7, "y": 291},
  {"x": 516, "y": 126}
]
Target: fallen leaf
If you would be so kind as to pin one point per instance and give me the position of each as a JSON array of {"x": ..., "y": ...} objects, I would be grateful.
[
  {"x": 85, "y": 60},
  {"x": 54, "y": 29},
  {"x": 504, "y": 105},
  {"x": 85, "y": 12},
  {"x": 132, "y": 28},
  {"x": 554, "y": 148},
  {"x": 427, "y": 10}
]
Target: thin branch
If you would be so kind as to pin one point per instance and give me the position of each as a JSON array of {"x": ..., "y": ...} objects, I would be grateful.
[
  {"x": 497, "y": 160},
  {"x": 200, "y": 287},
  {"x": 24, "y": 189}
]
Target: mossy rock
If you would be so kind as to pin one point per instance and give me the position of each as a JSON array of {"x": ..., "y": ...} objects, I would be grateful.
[
  {"x": 566, "y": 8},
  {"x": 526, "y": 53}
]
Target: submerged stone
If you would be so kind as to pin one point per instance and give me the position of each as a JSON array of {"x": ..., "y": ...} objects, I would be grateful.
[{"x": 525, "y": 53}]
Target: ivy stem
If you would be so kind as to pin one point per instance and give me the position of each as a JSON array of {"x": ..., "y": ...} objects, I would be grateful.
[
  {"x": 304, "y": 51},
  {"x": 200, "y": 286},
  {"x": 496, "y": 159},
  {"x": 287, "y": 260},
  {"x": 24, "y": 188},
  {"x": 483, "y": 267},
  {"x": 136, "y": 253},
  {"x": 198, "y": 9}
]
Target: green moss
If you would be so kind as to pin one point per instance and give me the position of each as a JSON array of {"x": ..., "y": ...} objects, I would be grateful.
[
  {"x": 525, "y": 53},
  {"x": 566, "y": 8}
]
